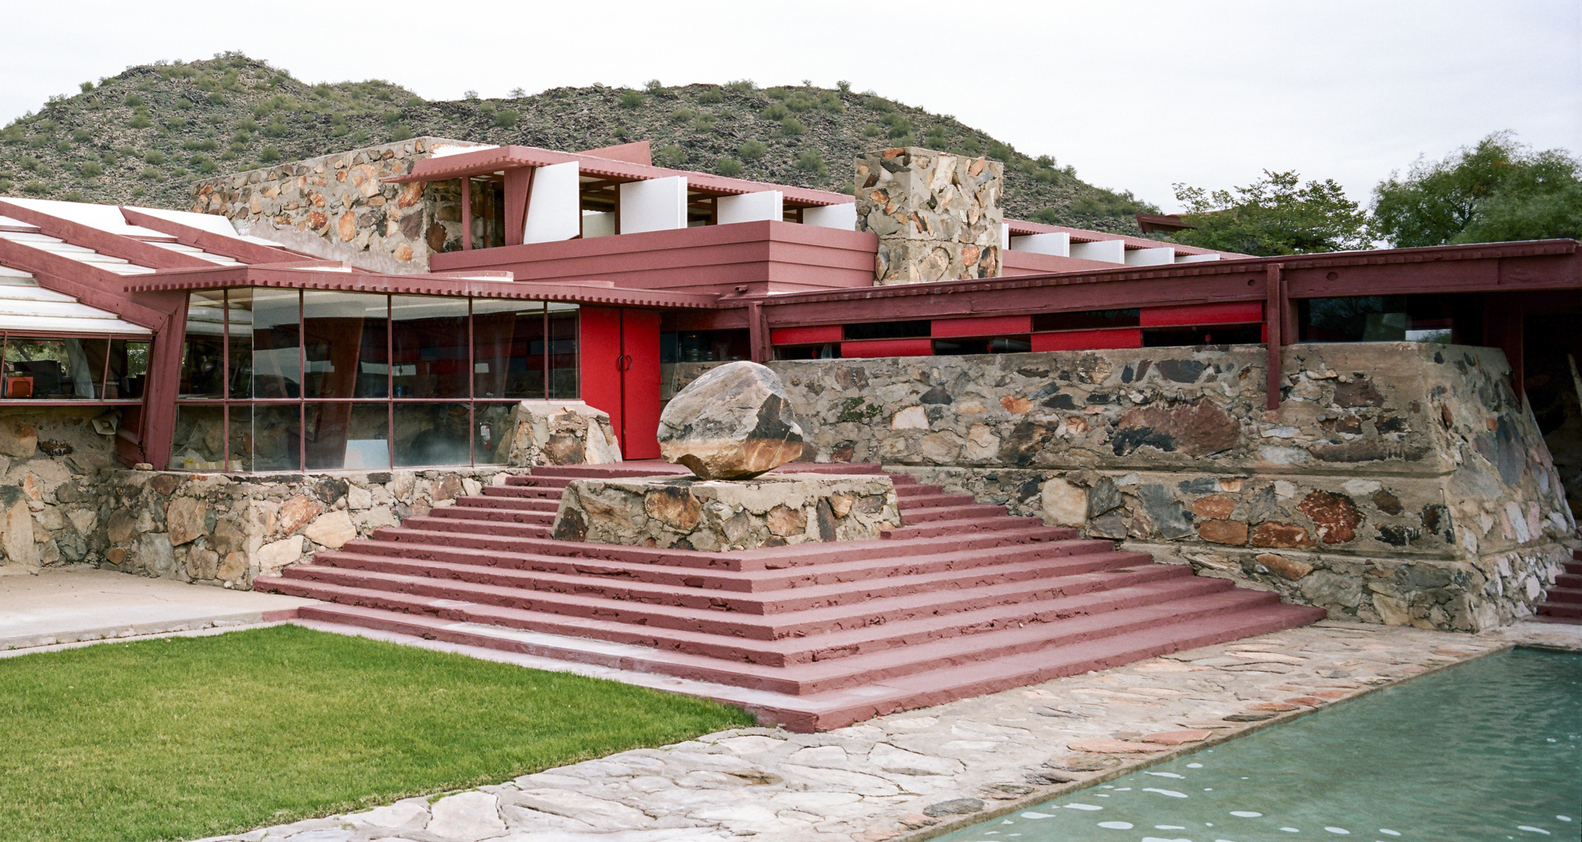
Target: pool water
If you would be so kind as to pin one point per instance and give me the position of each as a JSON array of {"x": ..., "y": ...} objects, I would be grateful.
[{"x": 1490, "y": 750}]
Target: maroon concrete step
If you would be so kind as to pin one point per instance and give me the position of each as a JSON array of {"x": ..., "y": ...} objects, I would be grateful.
[
  {"x": 1568, "y": 580},
  {"x": 1077, "y": 556},
  {"x": 1560, "y": 611},
  {"x": 916, "y": 515},
  {"x": 837, "y": 709},
  {"x": 736, "y": 615},
  {"x": 1564, "y": 595},
  {"x": 521, "y": 504},
  {"x": 1068, "y": 575},
  {"x": 484, "y": 516},
  {"x": 958, "y": 526},
  {"x": 959, "y": 598},
  {"x": 797, "y": 666},
  {"x": 401, "y": 539}
]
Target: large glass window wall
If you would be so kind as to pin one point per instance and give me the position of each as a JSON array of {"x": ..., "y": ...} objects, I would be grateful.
[{"x": 288, "y": 380}]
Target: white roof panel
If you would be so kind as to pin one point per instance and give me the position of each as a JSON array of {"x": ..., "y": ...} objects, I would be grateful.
[{"x": 27, "y": 307}]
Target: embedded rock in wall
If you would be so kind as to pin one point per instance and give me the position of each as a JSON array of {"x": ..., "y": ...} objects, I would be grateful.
[
  {"x": 937, "y": 215},
  {"x": 554, "y": 432},
  {"x": 733, "y": 422}
]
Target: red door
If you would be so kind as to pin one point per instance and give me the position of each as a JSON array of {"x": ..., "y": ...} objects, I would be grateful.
[{"x": 620, "y": 374}]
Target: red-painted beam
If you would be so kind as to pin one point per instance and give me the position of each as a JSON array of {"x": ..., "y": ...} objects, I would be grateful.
[
  {"x": 1273, "y": 332},
  {"x": 981, "y": 326},
  {"x": 868, "y": 348},
  {"x": 1193, "y": 315},
  {"x": 232, "y": 247},
  {"x": 812, "y": 335},
  {"x": 1088, "y": 340},
  {"x": 113, "y": 245}
]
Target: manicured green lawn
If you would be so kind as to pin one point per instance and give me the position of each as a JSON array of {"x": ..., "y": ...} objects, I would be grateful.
[{"x": 187, "y": 737}]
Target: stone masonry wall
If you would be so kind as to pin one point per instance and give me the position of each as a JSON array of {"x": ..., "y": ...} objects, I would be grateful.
[
  {"x": 1397, "y": 483},
  {"x": 337, "y": 208},
  {"x": 52, "y": 463},
  {"x": 937, "y": 215},
  {"x": 225, "y": 530}
]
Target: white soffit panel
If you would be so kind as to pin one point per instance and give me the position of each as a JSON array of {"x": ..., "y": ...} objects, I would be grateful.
[
  {"x": 554, "y": 208},
  {"x": 751, "y": 207},
  {"x": 658, "y": 204},
  {"x": 1150, "y": 257},
  {"x": 1058, "y": 245},
  {"x": 1195, "y": 258},
  {"x": 1108, "y": 251},
  {"x": 842, "y": 216}
]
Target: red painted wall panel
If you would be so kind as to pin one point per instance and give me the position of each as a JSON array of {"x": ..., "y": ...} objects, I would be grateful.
[
  {"x": 805, "y": 335},
  {"x": 887, "y": 348},
  {"x": 982, "y": 326},
  {"x": 1238, "y": 312},
  {"x": 1088, "y": 340}
]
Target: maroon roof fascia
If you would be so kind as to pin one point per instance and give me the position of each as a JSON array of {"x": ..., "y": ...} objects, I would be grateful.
[
  {"x": 1490, "y": 267},
  {"x": 296, "y": 276},
  {"x": 499, "y": 158},
  {"x": 1164, "y": 222},
  {"x": 129, "y": 249},
  {"x": 232, "y": 247}
]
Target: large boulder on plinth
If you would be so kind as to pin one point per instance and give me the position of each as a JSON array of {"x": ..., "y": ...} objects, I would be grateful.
[{"x": 732, "y": 423}]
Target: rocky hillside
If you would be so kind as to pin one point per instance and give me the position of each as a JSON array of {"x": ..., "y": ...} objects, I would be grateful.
[{"x": 146, "y": 135}]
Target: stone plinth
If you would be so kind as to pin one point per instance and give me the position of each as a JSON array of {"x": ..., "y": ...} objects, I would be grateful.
[
  {"x": 557, "y": 432},
  {"x": 717, "y": 516},
  {"x": 937, "y": 215}
]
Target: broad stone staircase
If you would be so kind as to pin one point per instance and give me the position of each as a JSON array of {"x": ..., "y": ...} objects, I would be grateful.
[
  {"x": 962, "y": 599},
  {"x": 1563, "y": 602}
]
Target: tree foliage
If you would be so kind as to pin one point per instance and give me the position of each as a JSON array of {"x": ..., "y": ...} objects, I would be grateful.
[
  {"x": 1275, "y": 215},
  {"x": 1495, "y": 191}
]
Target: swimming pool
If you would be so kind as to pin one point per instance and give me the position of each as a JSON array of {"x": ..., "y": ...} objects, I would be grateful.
[{"x": 1490, "y": 750}]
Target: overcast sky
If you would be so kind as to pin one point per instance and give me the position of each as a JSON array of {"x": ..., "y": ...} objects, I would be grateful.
[{"x": 1134, "y": 95}]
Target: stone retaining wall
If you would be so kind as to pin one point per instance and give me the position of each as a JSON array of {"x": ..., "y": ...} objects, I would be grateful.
[
  {"x": 1397, "y": 483},
  {"x": 52, "y": 465},
  {"x": 225, "y": 530}
]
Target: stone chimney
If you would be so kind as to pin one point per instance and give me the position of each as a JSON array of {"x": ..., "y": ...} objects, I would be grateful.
[{"x": 937, "y": 215}]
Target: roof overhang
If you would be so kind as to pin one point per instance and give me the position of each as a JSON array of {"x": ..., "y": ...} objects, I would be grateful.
[
  {"x": 497, "y": 158},
  {"x": 327, "y": 275}
]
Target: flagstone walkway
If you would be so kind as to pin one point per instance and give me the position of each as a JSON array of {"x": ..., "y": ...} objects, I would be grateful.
[{"x": 912, "y": 775}]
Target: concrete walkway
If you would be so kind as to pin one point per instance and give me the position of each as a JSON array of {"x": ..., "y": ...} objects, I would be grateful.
[
  {"x": 914, "y": 775},
  {"x": 84, "y": 604}
]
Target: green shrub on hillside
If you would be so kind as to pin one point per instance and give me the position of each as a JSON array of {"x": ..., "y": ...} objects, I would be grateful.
[
  {"x": 752, "y": 150},
  {"x": 631, "y": 99},
  {"x": 728, "y": 167}
]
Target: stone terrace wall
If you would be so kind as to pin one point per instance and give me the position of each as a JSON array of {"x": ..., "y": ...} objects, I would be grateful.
[
  {"x": 225, "y": 530},
  {"x": 1397, "y": 483},
  {"x": 52, "y": 463},
  {"x": 335, "y": 206}
]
